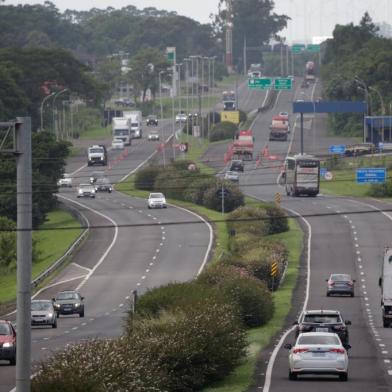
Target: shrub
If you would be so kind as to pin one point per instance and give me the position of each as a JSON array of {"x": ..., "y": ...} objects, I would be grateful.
[
  {"x": 222, "y": 131},
  {"x": 193, "y": 347},
  {"x": 145, "y": 177},
  {"x": 195, "y": 191},
  {"x": 277, "y": 222},
  {"x": 241, "y": 242},
  {"x": 381, "y": 190},
  {"x": 243, "y": 116},
  {"x": 232, "y": 200},
  {"x": 250, "y": 220}
]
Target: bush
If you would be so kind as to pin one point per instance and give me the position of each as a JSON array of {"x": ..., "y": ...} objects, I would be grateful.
[
  {"x": 381, "y": 190},
  {"x": 277, "y": 222},
  {"x": 233, "y": 200},
  {"x": 193, "y": 347},
  {"x": 222, "y": 131},
  {"x": 241, "y": 242},
  {"x": 243, "y": 116},
  {"x": 195, "y": 191},
  {"x": 250, "y": 220},
  {"x": 145, "y": 177}
]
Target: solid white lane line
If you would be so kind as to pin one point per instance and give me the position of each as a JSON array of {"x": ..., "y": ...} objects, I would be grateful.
[{"x": 80, "y": 266}]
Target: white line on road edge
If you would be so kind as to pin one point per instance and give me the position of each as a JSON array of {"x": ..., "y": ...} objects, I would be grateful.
[
  {"x": 271, "y": 362},
  {"x": 103, "y": 257},
  {"x": 80, "y": 266}
]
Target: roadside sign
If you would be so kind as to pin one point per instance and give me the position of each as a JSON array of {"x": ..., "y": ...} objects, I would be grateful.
[
  {"x": 298, "y": 48},
  {"x": 260, "y": 83},
  {"x": 328, "y": 176},
  {"x": 231, "y": 116},
  {"x": 371, "y": 175},
  {"x": 283, "y": 84},
  {"x": 222, "y": 193},
  {"x": 337, "y": 149},
  {"x": 277, "y": 198},
  {"x": 274, "y": 269},
  {"x": 183, "y": 147},
  {"x": 313, "y": 48},
  {"x": 171, "y": 54},
  {"x": 323, "y": 170}
]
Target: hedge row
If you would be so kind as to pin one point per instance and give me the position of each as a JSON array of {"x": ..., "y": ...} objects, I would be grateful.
[{"x": 177, "y": 182}]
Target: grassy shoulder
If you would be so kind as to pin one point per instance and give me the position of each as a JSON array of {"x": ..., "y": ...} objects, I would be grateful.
[
  {"x": 52, "y": 244},
  {"x": 97, "y": 133}
]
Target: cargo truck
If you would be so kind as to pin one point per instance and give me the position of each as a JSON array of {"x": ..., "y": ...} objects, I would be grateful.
[
  {"x": 385, "y": 282},
  {"x": 279, "y": 128},
  {"x": 243, "y": 146},
  {"x": 121, "y": 128},
  {"x": 136, "y": 120}
]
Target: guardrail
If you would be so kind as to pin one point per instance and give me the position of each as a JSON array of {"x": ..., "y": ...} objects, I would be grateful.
[{"x": 59, "y": 262}]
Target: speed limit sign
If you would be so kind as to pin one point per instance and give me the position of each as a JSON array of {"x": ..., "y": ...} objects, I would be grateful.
[{"x": 183, "y": 147}]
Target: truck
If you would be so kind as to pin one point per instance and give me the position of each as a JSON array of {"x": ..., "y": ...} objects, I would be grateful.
[
  {"x": 309, "y": 71},
  {"x": 229, "y": 100},
  {"x": 279, "y": 128},
  {"x": 243, "y": 145},
  {"x": 121, "y": 128},
  {"x": 97, "y": 155},
  {"x": 136, "y": 119},
  {"x": 385, "y": 283}
]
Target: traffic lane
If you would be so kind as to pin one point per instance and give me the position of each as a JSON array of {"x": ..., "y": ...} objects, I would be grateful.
[{"x": 332, "y": 251}]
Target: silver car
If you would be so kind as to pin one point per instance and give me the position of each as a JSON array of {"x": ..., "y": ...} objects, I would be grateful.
[
  {"x": 86, "y": 190},
  {"x": 65, "y": 181},
  {"x": 318, "y": 353},
  {"x": 42, "y": 313},
  {"x": 232, "y": 176},
  {"x": 156, "y": 200}
]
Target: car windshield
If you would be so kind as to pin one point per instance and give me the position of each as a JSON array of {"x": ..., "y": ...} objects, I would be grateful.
[
  {"x": 102, "y": 181},
  {"x": 340, "y": 277},
  {"x": 96, "y": 150},
  {"x": 156, "y": 195},
  {"x": 322, "y": 318},
  {"x": 62, "y": 296},
  {"x": 330, "y": 340},
  {"x": 85, "y": 186},
  {"x": 5, "y": 329},
  {"x": 41, "y": 306}
]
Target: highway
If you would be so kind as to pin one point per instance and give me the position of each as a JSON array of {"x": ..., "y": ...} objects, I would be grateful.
[
  {"x": 343, "y": 235},
  {"x": 129, "y": 248}
]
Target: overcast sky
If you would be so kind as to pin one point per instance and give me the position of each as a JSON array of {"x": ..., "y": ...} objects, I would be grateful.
[{"x": 310, "y": 17}]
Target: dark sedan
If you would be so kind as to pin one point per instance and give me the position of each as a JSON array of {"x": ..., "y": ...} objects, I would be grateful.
[
  {"x": 340, "y": 284},
  {"x": 68, "y": 302},
  {"x": 103, "y": 185}
]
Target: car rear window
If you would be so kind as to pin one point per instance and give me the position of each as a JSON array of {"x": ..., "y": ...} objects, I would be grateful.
[
  {"x": 305, "y": 339},
  {"x": 340, "y": 277},
  {"x": 5, "y": 329},
  {"x": 322, "y": 318}
]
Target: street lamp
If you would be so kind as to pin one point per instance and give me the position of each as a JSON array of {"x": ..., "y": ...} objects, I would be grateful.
[
  {"x": 160, "y": 92},
  {"x": 368, "y": 103},
  {"x": 54, "y": 102},
  {"x": 42, "y": 109},
  {"x": 382, "y": 109}
]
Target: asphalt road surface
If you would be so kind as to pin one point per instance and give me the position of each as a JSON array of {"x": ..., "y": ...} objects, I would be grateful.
[{"x": 129, "y": 248}]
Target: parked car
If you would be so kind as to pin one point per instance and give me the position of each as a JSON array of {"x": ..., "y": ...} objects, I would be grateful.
[
  {"x": 152, "y": 121},
  {"x": 180, "y": 118},
  {"x": 7, "y": 342},
  {"x": 85, "y": 190},
  {"x": 232, "y": 176},
  {"x": 68, "y": 302},
  {"x": 156, "y": 200},
  {"x": 65, "y": 181},
  {"x": 127, "y": 102},
  {"x": 118, "y": 144},
  {"x": 318, "y": 353},
  {"x": 323, "y": 321},
  {"x": 153, "y": 135},
  {"x": 95, "y": 175},
  {"x": 340, "y": 284},
  {"x": 42, "y": 313},
  {"x": 103, "y": 185}
]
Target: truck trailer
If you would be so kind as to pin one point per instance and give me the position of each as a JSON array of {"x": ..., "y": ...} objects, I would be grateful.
[{"x": 385, "y": 283}]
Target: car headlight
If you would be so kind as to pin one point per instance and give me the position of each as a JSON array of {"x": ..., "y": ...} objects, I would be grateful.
[
  {"x": 56, "y": 305},
  {"x": 8, "y": 344},
  {"x": 80, "y": 191},
  {"x": 77, "y": 304},
  {"x": 50, "y": 314}
]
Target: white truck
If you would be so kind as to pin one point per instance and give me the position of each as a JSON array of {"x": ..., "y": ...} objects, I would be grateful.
[
  {"x": 385, "y": 282},
  {"x": 121, "y": 127},
  {"x": 97, "y": 155},
  {"x": 136, "y": 119}
]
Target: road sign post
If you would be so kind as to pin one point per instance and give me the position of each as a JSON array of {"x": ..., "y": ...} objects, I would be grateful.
[
  {"x": 259, "y": 83},
  {"x": 371, "y": 175},
  {"x": 274, "y": 274},
  {"x": 283, "y": 84},
  {"x": 278, "y": 198},
  {"x": 337, "y": 149}
]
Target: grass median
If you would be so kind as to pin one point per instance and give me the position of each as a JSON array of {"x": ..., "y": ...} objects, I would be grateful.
[{"x": 53, "y": 238}]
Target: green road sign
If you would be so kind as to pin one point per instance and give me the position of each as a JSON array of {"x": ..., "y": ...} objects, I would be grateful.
[
  {"x": 298, "y": 48},
  {"x": 283, "y": 84},
  {"x": 260, "y": 83},
  {"x": 313, "y": 48},
  {"x": 171, "y": 54}
]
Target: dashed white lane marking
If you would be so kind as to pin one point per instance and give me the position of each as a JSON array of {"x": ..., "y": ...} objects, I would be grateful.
[
  {"x": 121, "y": 305},
  {"x": 114, "y": 309},
  {"x": 356, "y": 245},
  {"x": 359, "y": 259},
  {"x": 365, "y": 293},
  {"x": 149, "y": 215},
  {"x": 84, "y": 324},
  {"x": 74, "y": 328},
  {"x": 107, "y": 314},
  {"x": 143, "y": 277},
  {"x": 154, "y": 257},
  {"x": 46, "y": 338},
  {"x": 163, "y": 238},
  {"x": 350, "y": 221},
  {"x": 363, "y": 280},
  {"x": 390, "y": 372},
  {"x": 138, "y": 284},
  {"x": 381, "y": 344},
  {"x": 161, "y": 244},
  {"x": 355, "y": 238},
  {"x": 358, "y": 252},
  {"x": 147, "y": 270},
  {"x": 151, "y": 264},
  {"x": 66, "y": 332},
  {"x": 154, "y": 217},
  {"x": 384, "y": 352},
  {"x": 141, "y": 211},
  {"x": 157, "y": 250},
  {"x": 329, "y": 207},
  {"x": 338, "y": 212},
  {"x": 345, "y": 216},
  {"x": 362, "y": 273},
  {"x": 43, "y": 348},
  {"x": 163, "y": 227},
  {"x": 127, "y": 297},
  {"x": 363, "y": 286},
  {"x": 353, "y": 227},
  {"x": 387, "y": 360},
  {"x": 355, "y": 233},
  {"x": 366, "y": 299},
  {"x": 130, "y": 207},
  {"x": 92, "y": 319},
  {"x": 360, "y": 266}
]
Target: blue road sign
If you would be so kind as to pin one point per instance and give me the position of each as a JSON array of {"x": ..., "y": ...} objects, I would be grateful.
[
  {"x": 337, "y": 149},
  {"x": 371, "y": 175},
  {"x": 323, "y": 170}
]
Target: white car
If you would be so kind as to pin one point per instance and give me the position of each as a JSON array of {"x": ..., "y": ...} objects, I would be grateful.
[
  {"x": 86, "y": 190},
  {"x": 117, "y": 144},
  {"x": 232, "y": 176},
  {"x": 318, "y": 353},
  {"x": 181, "y": 117},
  {"x": 156, "y": 200},
  {"x": 153, "y": 135},
  {"x": 42, "y": 313},
  {"x": 66, "y": 181}
]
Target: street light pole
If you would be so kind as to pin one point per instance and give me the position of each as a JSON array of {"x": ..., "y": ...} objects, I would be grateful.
[
  {"x": 42, "y": 110},
  {"x": 160, "y": 93},
  {"x": 54, "y": 107},
  {"x": 368, "y": 103},
  {"x": 382, "y": 109}
]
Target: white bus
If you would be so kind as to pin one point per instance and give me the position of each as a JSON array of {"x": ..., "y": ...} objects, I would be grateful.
[{"x": 302, "y": 175}]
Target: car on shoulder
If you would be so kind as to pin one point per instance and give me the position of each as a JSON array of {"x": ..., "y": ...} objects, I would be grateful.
[
  {"x": 232, "y": 176},
  {"x": 7, "y": 342},
  {"x": 85, "y": 190},
  {"x": 95, "y": 175},
  {"x": 320, "y": 353},
  {"x": 127, "y": 102},
  {"x": 357, "y": 149},
  {"x": 153, "y": 135},
  {"x": 156, "y": 200},
  {"x": 340, "y": 284},
  {"x": 118, "y": 144},
  {"x": 68, "y": 302},
  {"x": 103, "y": 185},
  {"x": 237, "y": 165},
  {"x": 181, "y": 118},
  {"x": 43, "y": 313},
  {"x": 323, "y": 321},
  {"x": 65, "y": 181},
  {"x": 152, "y": 121}
]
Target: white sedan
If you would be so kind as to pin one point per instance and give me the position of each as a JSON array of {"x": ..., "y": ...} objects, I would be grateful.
[
  {"x": 65, "y": 181},
  {"x": 156, "y": 200},
  {"x": 117, "y": 144},
  {"x": 319, "y": 353}
]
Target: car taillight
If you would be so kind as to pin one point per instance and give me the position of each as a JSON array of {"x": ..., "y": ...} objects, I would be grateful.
[
  {"x": 337, "y": 350},
  {"x": 339, "y": 327},
  {"x": 349, "y": 284},
  {"x": 300, "y": 350},
  {"x": 305, "y": 327},
  {"x": 331, "y": 283}
]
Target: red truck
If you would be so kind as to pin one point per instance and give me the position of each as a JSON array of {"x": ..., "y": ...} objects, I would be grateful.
[
  {"x": 243, "y": 145},
  {"x": 279, "y": 128},
  {"x": 309, "y": 71}
]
